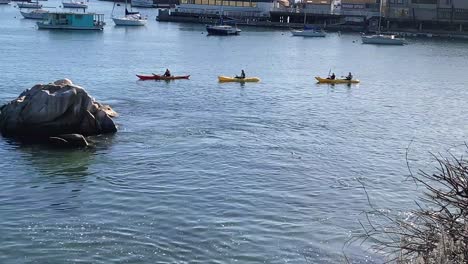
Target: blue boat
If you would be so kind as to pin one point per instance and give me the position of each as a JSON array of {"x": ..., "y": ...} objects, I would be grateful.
[{"x": 72, "y": 21}]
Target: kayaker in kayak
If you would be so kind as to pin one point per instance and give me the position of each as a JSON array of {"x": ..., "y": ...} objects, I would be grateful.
[
  {"x": 349, "y": 77},
  {"x": 332, "y": 77},
  {"x": 242, "y": 76},
  {"x": 167, "y": 73}
]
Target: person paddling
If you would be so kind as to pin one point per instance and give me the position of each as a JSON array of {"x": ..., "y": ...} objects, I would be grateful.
[
  {"x": 332, "y": 77},
  {"x": 349, "y": 77},
  {"x": 167, "y": 73},
  {"x": 242, "y": 76}
]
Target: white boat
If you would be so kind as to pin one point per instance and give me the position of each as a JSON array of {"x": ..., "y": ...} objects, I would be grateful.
[
  {"x": 130, "y": 18},
  {"x": 142, "y": 3},
  {"x": 308, "y": 33},
  {"x": 74, "y": 4},
  {"x": 383, "y": 40},
  {"x": 35, "y": 14},
  {"x": 29, "y": 5},
  {"x": 4, "y": 2}
]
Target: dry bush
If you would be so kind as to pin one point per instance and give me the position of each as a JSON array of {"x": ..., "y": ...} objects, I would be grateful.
[{"x": 436, "y": 231}]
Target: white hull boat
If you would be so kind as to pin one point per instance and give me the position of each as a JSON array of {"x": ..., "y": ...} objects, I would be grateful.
[
  {"x": 35, "y": 14},
  {"x": 383, "y": 40},
  {"x": 380, "y": 39},
  {"x": 73, "y": 4},
  {"x": 29, "y": 5},
  {"x": 4, "y": 2},
  {"x": 308, "y": 33},
  {"x": 130, "y": 20}
]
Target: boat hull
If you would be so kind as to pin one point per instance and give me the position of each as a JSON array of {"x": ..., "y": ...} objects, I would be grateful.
[
  {"x": 42, "y": 25},
  {"x": 161, "y": 77},
  {"x": 213, "y": 30},
  {"x": 129, "y": 22},
  {"x": 234, "y": 79},
  {"x": 307, "y": 33},
  {"x": 34, "y": 15},
  {"x": 74, "y": 5},
  {"x": 335, "y": 81},
  {"x": 29, "y": 5},
  {"x": 4, "y": 2},
  {"x": 382, "y": 40}
]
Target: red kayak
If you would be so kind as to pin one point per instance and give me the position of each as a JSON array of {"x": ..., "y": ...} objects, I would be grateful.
[{"x": 161, "y": 77}]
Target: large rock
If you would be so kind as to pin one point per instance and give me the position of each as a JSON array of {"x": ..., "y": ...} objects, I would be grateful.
[{"x": 55, "y": 109}]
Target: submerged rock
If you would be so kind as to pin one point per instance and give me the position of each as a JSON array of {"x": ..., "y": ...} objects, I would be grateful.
[{"x": 56, "y": 110}]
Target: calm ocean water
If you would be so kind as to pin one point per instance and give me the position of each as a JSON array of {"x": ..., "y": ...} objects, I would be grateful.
[{"x": 202, "y": 172}]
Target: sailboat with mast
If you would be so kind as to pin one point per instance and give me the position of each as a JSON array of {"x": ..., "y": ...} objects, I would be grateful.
[
  {"x": 380, "y": 38},
  {"x": 130, "y": 19},
  {"x": 222, "y": 29},
  {"x": 308, "y": 31}
]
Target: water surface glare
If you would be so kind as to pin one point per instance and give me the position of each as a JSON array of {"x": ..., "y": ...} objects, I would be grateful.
[{"x": 202, "y": 172}]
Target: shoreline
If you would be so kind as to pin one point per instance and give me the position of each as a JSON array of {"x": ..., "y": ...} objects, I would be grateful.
[{"x": 165, "y": 15}]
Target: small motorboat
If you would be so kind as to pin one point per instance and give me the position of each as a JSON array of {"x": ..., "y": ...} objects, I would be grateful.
[
  {"x": 241, "y": 80},
  {"x": 335, "y": 81},
  {"x": 162, "y": 77}
]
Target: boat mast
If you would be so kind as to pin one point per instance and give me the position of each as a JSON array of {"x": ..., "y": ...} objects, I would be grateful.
[{"x": 380, "y": 16}]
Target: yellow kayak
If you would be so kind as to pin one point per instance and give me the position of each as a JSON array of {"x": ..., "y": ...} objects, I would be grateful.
[
  {"x": 325, "y": 80},
  {"x": 234, "y": 79}
]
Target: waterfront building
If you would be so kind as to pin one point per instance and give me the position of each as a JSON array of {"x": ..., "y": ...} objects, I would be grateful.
[
  {"x": 234, "y": 8},
  {"x": 317, "y": 6},
  {"x": 428, "y": 14},
  {"x": 428, "y": 10}
]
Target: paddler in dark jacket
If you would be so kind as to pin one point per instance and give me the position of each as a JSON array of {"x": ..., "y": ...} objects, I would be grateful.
[{"x": 242, "y": 76}]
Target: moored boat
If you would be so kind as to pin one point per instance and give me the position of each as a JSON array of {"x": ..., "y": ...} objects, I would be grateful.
[
  {"x": 35, "y": 14},
  {"x": 29, "y": 5},
  {"x": 161, "y": 77},
  {"x": 72, "y": 21},
  {"x": 222, "y": 30},
  {"x": 130, "y": 20},
  {"x": 335, "y": 81},
  {"x": 4, "y": 2},
  {"x": 383, "y": 40},
  {"x": 74, "y": 4},
  {"x": 308, "y": 33},
  {"x": 234, "y": 79}
]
